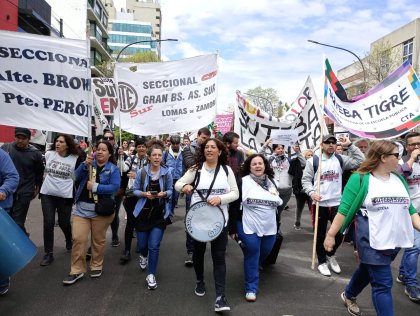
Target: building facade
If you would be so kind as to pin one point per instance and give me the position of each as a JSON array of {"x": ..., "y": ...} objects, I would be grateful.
[
  {"x": 147, "y": 11},
  {"x": 405, "y": 45},
  {"x": 125, "y": 30}
]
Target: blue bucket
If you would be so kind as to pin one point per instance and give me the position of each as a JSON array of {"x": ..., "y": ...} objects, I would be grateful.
[{"x": 16, "y": 249}]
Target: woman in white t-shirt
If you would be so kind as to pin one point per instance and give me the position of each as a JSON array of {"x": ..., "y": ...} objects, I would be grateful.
[
  {"x": 57, "y": 192},
  {"x": 379, "y": 202},
  {"x": 257, "y": 225},
  {"x": 218, "y": 182}
]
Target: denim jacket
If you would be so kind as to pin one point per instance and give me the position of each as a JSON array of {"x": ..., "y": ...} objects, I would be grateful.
[
  {"x": 9, "y": 179},
  {"x": 137, "y": 190},
  {"x": 109, "y": 179}
]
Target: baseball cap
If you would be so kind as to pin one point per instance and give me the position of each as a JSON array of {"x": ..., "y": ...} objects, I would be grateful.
[
  {"x": 327, "y": 137},
  {"x": 23, "y": 132}
]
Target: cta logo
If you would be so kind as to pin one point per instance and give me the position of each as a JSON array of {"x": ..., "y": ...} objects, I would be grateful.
[{"x": 128, "y": 97}]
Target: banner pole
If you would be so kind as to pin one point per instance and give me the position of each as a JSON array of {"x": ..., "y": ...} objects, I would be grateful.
[{"x": 318, "y": 188}]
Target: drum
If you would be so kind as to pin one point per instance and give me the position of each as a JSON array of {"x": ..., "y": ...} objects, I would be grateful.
[
  {"x": 16, "y": 249},
  {"x": 204, "y": 222}
]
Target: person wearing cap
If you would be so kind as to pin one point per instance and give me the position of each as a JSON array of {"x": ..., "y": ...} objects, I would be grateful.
[
  {"x": 172, "y": 158},
  {"x": 329, "y": 196},
  {"x": 30, "y": 166}
]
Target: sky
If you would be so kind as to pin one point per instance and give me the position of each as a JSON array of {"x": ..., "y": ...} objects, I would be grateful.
[{"x": 264, "y": 43}]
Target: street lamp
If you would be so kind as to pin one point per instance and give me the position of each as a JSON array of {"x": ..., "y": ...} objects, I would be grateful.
[
  {"x": 349, "y": 51},
  {"x": 149, "y": 41}
]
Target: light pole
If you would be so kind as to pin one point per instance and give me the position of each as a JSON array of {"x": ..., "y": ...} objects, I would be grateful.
[
  {"x": 148, "y": 41},
  {"x": 349, "y": 51}
]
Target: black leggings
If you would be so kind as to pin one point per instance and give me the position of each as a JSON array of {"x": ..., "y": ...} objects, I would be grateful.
[
  {"x": 129, "y": 204},
  {"x": 218, "y": 250}
]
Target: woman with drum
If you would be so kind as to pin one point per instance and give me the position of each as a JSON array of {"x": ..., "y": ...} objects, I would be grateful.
[
  {"x": 256, "y": 224},
  {"x": 153, "y": 186},
  {"x": 213, "y": 186}
]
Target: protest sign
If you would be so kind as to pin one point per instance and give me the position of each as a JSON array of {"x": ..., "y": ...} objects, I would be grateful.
[
  {"x": 105, "y": 95},
  {"x": 167, "y": 97},
  {"x": 285, "y": 137},
  {"x": 388, "y": 110},
  {"x": 45, "y": 83},
  {"x": 255, "y": 126},
  {"x": 224, "y": 122}
]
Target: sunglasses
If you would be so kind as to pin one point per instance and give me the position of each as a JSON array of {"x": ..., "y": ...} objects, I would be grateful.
[
  {"x": 328, "y": 142},
  {"x": 396, "y": 155},
  {"x": 109, "y": 138}
]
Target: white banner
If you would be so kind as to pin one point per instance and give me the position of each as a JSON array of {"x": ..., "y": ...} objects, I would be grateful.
[
  {"x": 285, "y": 137},
  {"x": 101, "y": 122},
  {"x": 167, "y": 97},
  {"x": 45, "y": 83},
  {"x": 255, "y": 126},
  {"x": 388, "y": 110}
]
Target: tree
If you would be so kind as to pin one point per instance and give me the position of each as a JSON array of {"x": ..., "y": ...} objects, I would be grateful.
[
  {"x": 107, "y": 67},
  {"x": 267, "y": 99},
  {"x": 380, "y": 62}
]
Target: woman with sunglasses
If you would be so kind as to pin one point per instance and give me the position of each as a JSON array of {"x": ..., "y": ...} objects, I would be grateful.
[{"x": 379, "y": 202}]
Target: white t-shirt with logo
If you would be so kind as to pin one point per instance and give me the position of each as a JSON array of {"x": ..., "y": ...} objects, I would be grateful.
[
  {"x": 413, "y": 182},
  {"x": 58, "y": 173},
  {"x": 387, "y": 204},
  {"x": 259, "y": 208},
  {"x": 331, "y": 181}
]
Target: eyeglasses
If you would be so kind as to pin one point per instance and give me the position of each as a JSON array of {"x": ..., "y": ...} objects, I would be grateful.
[
  {"x": 396, "y": 155},
  {"x": 109, "y": 138},
  {"x": 328, "y": 142},
  {"x": 414, "y": 145}
]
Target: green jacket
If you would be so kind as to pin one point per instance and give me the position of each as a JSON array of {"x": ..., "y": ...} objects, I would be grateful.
[{"x": 354, "y": 195}]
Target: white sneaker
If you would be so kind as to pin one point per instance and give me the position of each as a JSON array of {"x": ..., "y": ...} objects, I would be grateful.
[
  {"x": 251, "y": 297},
  {"x": 151, "y": 282},
  {"x": 323, "y": 269},
  {"x": 143, "y": 262},
  {"x": 332, "y": 262}
]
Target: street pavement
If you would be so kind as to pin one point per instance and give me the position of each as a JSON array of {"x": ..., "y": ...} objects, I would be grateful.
[{"x": 289, "y": 287}]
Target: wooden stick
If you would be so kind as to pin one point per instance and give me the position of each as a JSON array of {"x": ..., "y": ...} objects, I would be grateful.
[
  {"x": 318, "y": 189},
  {"x": 90, "y": 168}
]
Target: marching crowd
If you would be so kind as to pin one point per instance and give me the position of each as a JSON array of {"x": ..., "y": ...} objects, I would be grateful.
[{"x": 368, "y": 191}]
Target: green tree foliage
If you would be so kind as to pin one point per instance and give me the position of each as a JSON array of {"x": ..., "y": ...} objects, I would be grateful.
[
  {"x": 267, "y": 99},
  {"x": 125, "y": 135}
]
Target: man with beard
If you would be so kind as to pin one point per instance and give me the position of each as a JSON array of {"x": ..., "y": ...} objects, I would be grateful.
[{"x": 329, "y": 195}]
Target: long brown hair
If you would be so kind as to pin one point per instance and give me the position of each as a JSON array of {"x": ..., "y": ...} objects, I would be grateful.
[{"x": 373, "y": 158}]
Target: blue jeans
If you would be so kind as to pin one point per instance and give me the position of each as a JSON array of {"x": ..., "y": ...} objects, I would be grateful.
[
  {"x": 256, "y": 249},
  {"x": 149, "y": 243},
  {"x": 409, "y": 260},
  {"x": 380, "y": 279}
]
